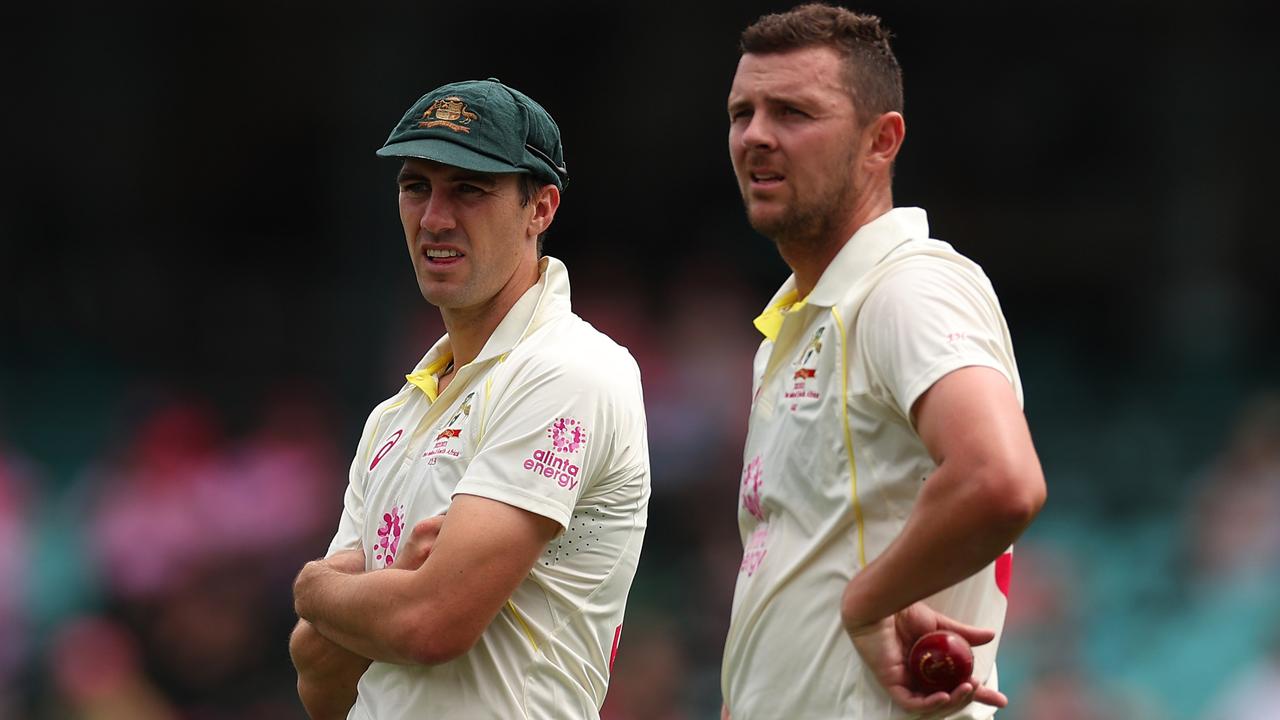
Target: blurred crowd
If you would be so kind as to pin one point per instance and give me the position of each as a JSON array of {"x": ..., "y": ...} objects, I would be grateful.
[{"x": 153, "y": 582}]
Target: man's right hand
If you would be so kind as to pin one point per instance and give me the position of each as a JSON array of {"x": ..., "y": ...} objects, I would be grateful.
[
  {"x": 415, "y": 550},
  {"x": 327, "y": 672}
]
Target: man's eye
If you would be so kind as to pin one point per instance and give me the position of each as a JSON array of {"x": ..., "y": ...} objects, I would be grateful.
[
  {"x": 467, "y": 189},
  {"x": 739, "y": 114},
  {"x": 788, "y": 110},
  {"x": 415, "y": 188}
]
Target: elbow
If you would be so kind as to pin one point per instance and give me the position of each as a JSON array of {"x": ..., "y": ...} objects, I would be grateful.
[
  {"x": 306, "y": 646},
  {"x": 1014, "y": 496},
  {"x": 435, "y": 650},
  {"x": 435, "y": 644}
]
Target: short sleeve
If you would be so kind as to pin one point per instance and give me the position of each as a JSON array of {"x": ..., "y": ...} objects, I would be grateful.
[
  {"x": 545, "y": 440},
  {"x": 927, "y": 319},
  {"x": 351, "y": 523}
]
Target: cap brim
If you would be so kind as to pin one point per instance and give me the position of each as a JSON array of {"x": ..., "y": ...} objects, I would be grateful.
[{"x": 447, "y": 153}]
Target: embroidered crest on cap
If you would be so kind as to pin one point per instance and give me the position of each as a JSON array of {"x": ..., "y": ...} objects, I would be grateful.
[{"x": 451, "y": 112}]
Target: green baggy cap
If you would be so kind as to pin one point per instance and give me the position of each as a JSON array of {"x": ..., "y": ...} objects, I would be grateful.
[{"x": 481, "y": 125}]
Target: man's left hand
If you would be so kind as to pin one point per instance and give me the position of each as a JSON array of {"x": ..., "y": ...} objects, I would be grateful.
[{"x": 415, "y": 549}]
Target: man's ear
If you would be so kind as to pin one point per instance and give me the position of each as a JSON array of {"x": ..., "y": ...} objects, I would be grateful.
[
  {"x": 545, "y": 203},
  {"x": 883, "y": 138}
]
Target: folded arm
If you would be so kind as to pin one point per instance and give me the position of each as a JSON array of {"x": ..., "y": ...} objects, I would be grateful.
[
  {"x": 436, "y": 612},
  {"x": 327, "y": 672}
]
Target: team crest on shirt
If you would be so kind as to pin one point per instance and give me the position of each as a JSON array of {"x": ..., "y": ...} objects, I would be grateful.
[
  {"x": 449, "y": 437},
  {"x": 567, "y": 436},
  {"x": 806, "y": 369}
]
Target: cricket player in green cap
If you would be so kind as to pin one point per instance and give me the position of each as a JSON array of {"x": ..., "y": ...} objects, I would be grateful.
[{"x": 497, "y": 502}]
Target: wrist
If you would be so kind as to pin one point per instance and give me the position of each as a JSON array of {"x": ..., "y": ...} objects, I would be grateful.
[{"x": 854, "y": 613}]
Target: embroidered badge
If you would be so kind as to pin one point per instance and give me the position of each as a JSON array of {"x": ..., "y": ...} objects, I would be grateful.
[
  {"x": 450, "y": 112},
  {"x": 452, "y": 430},
  {"x": 806, "y": 369}
]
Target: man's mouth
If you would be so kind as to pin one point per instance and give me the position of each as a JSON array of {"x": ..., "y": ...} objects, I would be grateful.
[
  {"x": 442, "y": 256},
  {"x": 766, "y": 179}
]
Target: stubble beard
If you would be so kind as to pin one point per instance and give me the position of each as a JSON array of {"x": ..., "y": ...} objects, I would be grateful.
[
  {"x": 445, "y": 295},
  {"x": 808, "y": 226}
]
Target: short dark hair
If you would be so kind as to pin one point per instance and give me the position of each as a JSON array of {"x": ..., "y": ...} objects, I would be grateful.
[
  {"x": 529, "y": 187},
  {"x": 872, "y": 73}
]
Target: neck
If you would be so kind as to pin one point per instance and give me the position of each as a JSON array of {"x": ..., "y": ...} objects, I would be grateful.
[
  {"x": 470, "y": 328},
  {"x": 809, "y": 258}
]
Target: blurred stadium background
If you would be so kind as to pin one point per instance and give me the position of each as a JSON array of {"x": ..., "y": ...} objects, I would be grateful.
[{"x": 203, "y": 290}]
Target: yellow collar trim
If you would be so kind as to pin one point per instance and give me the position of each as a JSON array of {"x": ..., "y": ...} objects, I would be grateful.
[
  {"x": 428, "y": 379},
  {"x": 770, "y": 321}
]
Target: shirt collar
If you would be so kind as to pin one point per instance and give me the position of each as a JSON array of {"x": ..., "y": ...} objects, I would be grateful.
[
  {"x": 547, "y": 299},
  {"x": 769, "y": 322},
  {"x": 868, "y": 246}
]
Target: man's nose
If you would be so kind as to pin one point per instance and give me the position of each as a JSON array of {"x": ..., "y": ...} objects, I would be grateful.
[
  {"x": 438, "y": 216},
  {"x": 758, "y": 133}
]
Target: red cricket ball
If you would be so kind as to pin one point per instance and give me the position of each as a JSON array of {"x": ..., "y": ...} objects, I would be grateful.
[{"x": 940, "y": 660}]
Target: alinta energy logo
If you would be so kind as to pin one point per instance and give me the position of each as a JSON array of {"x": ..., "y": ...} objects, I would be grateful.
[{"x": 568, "y": 436}]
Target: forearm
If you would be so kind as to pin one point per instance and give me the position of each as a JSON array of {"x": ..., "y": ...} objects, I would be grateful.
[
  {"x": 327, "y": 673},
  {"x": 437, "y": 612},
  {"x": 365, "y": 613},
  {"x": 959, "y": 526}
]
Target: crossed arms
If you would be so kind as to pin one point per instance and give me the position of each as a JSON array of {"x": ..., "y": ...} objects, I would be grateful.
[{"x": 431, "y": 606}]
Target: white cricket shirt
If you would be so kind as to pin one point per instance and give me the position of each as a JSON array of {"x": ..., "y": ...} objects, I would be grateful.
[
  {"x": 832, "y": 465},
  {"x": 548, "y": 418}
]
